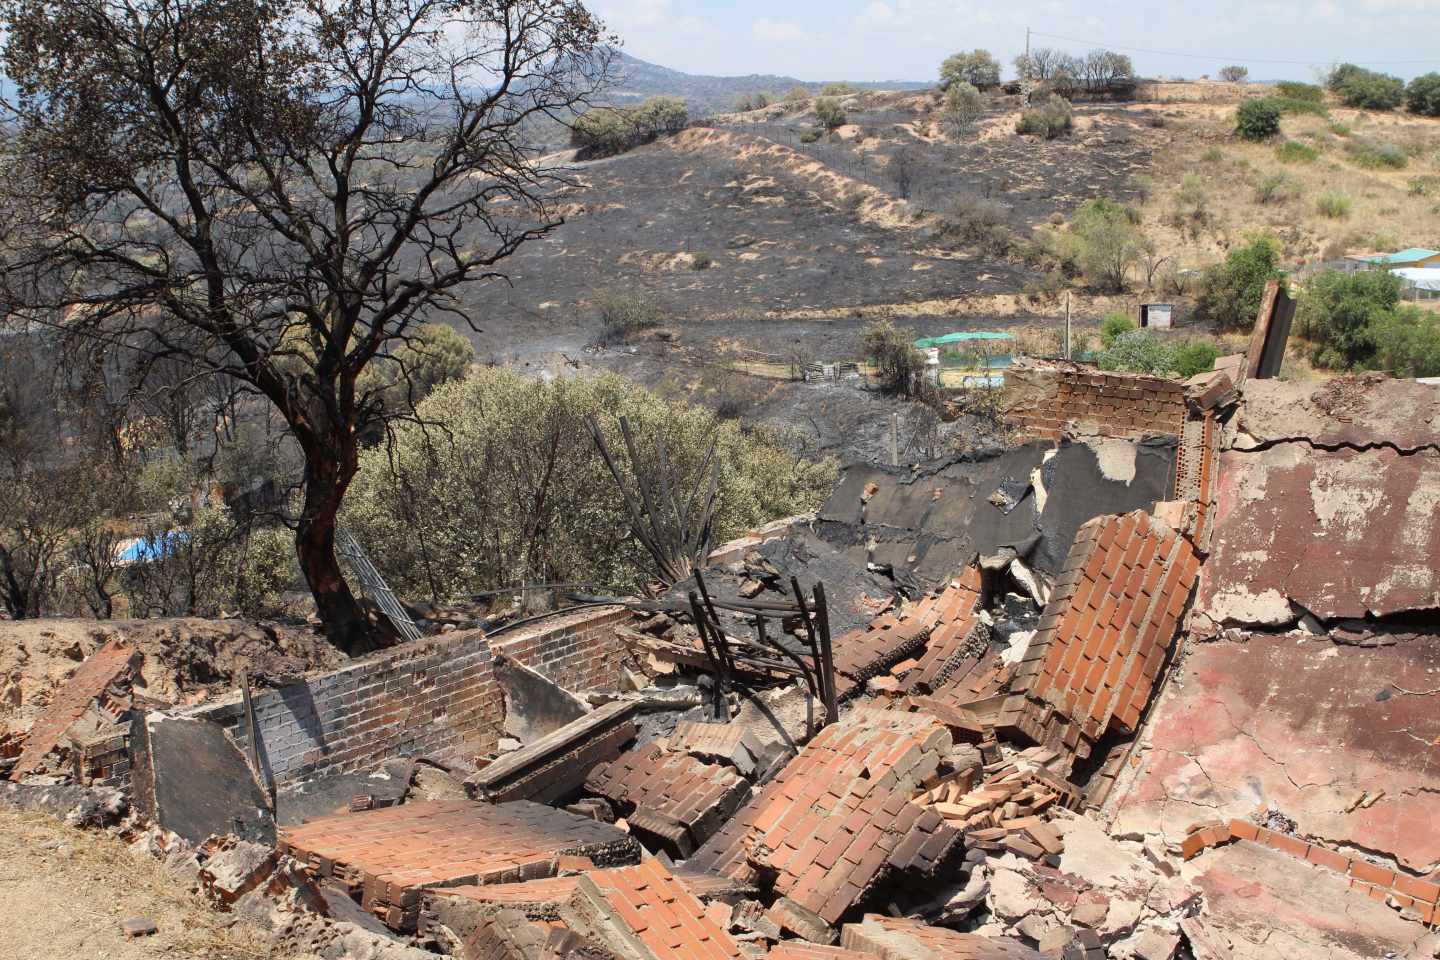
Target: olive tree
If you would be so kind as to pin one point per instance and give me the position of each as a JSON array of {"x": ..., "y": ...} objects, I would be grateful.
[
  {"x": 977, "y": 68},
  {"x": 279, "y": 191}
]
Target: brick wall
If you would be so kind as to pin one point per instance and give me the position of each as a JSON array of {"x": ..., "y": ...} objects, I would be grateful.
[
  {"x": 437, "y": 697},
  {"x": 1083, "y": 400}
]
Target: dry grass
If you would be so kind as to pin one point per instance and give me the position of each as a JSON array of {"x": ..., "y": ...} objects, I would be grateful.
[
  {"x": 65, "y": 892},
  {"x": 1204, "y": 196}
]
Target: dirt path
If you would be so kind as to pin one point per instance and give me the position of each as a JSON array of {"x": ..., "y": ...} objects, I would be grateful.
[{"x": 64, "y": 892}]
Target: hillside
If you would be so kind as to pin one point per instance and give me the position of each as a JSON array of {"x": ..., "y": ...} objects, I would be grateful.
[{"x": 707, "y": 95}]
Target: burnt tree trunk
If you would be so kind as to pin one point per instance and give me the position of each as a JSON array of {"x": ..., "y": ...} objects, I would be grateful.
[{"x": 331, "y": 461}]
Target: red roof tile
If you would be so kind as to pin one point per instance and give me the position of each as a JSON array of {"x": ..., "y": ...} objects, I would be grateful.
[
  {"x": 686, "y": 799},
  {"x": 654, "y": 908},
  {"x": 837, "y": 819},
  {"x": 1106, "y": 630}
]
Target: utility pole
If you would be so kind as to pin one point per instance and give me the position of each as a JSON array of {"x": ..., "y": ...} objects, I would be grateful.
[{"x": 1027, "y": 44}]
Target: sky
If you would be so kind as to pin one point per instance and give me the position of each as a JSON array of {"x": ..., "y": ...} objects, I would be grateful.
[{"x": 907, "y": 39}]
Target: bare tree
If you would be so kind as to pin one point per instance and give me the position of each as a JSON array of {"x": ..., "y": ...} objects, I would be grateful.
[
  {"x": 278, "y": 190},
  {"x": 1041, "y": 63}
]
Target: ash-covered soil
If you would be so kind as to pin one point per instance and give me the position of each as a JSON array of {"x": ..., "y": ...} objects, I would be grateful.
[{"x": 732, "y": 227}]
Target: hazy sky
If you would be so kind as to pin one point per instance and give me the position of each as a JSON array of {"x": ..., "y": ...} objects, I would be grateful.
[{"x": 907, "y": 39}]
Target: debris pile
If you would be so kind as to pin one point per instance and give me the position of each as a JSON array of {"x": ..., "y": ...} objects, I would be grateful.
[{"x": 1105, "y": 695}]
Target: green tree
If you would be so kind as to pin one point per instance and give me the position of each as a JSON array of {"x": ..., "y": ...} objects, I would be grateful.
[
  {"x": 1230, "y": 292},
  {"x": 1258, "y": 119},
  {"x": 1138, "y": 351},
  {"x": 1105, "y": 241},
  {"x": 281, "y": 193},
  {"x": 438, "y": 353},
  {"x": 503, "y": 484},
  {"x": 1423, "y": 95},
  {"x": 977, "y": 68},
  {"x": 1234, "y": 73},
  {"x": 1342, "y": 313},
  {"x": 1407, "y": 342},
  {"x": 829, "y": 113},
  {"x": 1358, "y": 87}
]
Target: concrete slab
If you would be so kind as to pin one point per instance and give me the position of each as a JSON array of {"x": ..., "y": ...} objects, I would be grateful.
[
  {"x": 1359, "y": 412},
  {"x": 1271, "y": 906},
  {"x": 1343, "y": 533},
  {"x": 534, "y": 705},
  {"x": 191, "y": 779},
  {"x": 1301, "y": 725}
]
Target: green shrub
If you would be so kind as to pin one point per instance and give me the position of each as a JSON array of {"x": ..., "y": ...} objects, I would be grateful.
[
  {"x": 838, "y": 90},
  {"x": 1342, "y": 312},
  {"x": 1138, "y": 351},
  {"x": 1333, "y": 204},
  {"x": 1375, "y": 156},
  {"x": 1051, "y": 118},
  {"x": 702, "y": 261},
  {"x": 1366, "y": 89},
  {"x": 1300, "y": 107},
  {"x": 1292, "y": 90},
  {"x": 1407, "y": 342},
  {"x": 1276, "y": 188},
  {"x": 1230, "y": 292},
  {"x": 1195, "y": 357},
  {"x": 624, "y": 314},
  {"x": 962, "y": 105},
  {"x": 1292, "y": 151},
  {"x": 1340, "y": 129},
  {"x": 1258, "y": 119},
  {"x": 1423, "y": 95},
  {"x": 1212, "y": 155},
  {"x": 810, "y": 136},
  {"x": 1114, "y": 325},
  {"x": 466, "y": 501}
]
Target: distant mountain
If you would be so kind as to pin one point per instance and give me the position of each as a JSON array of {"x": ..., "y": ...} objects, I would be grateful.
[{"x": 637, "y": 79}]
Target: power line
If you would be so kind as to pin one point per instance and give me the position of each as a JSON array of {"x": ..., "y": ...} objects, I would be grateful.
[{"x": 1238, "y": 60}]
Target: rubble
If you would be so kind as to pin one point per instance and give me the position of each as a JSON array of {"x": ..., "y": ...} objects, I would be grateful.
[
  {"x": 100, "y": 686},
  {"x": 557, "y": 763},
  {"x": 1017, "y": 737}
]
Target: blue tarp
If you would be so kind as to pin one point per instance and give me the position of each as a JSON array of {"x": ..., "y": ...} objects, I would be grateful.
[{"x": 150, "y": 549}]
